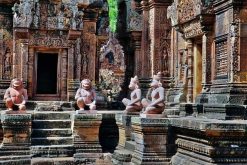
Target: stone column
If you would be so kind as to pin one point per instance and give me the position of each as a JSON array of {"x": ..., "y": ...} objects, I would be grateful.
[
  {"x": 16, "y": 138},
  {"x": 64, "y": 56},
  {"x": 145, "y": 61},
  {"x": 86, "y": 138},
  {"x": 89, "y": 47},
  {"x": 72, "y": 56},
  {"x": 207, "y": 41},
  {"x": 159, "y": 29},
  {"x": 136, "y": 36},
  {"x": 30, "y": 72},
  {"x": 190, "y": 70},
  {"x": 71, "y": 60},
  {"x": 154, "y": 144},
  {"x": 234, "y": 36},
  {"x": 2, "y": 55},
  {"x": 24, "y": 60}
]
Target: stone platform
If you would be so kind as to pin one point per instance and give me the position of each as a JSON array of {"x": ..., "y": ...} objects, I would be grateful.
[{"x": 52, "y": 133}]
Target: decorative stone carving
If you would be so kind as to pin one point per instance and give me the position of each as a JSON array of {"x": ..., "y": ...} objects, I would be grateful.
[
  {"x": 112, "y": 68},
  {"x": 23, "y": 15},
  {"x": 7, "y": 64},
  {"x": 172, "y": 13},
  {"x": 192, "y": 29},
  {"x": 48, "y": 39},
  {"x": 234, "y": 49},
  {"x": 188, "y": 9},
  {"x": 135, "y": 18}
]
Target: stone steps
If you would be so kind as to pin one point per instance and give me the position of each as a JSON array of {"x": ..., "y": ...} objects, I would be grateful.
[
  {"x": 52, "y": 151},
  {"x": 53, "y": 161},
  {"x": 52, "y": 136},
  {"x": 15, "y": 160},
  {"x": 51, "y": 132},
  {"x": 51, "y": 124},
  {"x": 52, "y": 141},
  {"x": 51, "y": 115}
]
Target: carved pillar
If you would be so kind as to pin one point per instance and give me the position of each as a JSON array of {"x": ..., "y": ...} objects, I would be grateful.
[
  {"x": 136, "y": 36},
  {"x": 30, "y": 72},
  {"x": 78, "y": 60},
  {"x": 89, "y": 49},
  {"x": 64, "y": 56},
  {"x": 234, "y": 36},
  {"x": 190, "y": 70},
  {"x": 160, "y": 29},
  {"x": 16, "y": 58},
  {"x": 145, "y": 66},
  {"x": 207, "y": 41},
  {"x": 72, "y": 64},
  {"x": 24, "y": 60},
  {"x": 1, "y": 55},
  {"x": 71, "y": 60}
]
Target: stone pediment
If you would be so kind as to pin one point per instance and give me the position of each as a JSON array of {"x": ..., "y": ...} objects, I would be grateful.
[{"x": 191, "y": 17}]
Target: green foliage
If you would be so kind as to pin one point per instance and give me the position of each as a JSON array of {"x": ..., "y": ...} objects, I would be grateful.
[{"x": 113, "y": 14}]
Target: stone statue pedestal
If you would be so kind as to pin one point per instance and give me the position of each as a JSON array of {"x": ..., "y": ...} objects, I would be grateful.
[
  {"x": 16, "y": 138},
  {"x": 86, "y": 139},
  {"x": 154, "y": 143}
]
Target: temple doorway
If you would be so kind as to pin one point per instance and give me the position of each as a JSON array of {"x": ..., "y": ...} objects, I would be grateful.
[{"x": 47, "y": 74}]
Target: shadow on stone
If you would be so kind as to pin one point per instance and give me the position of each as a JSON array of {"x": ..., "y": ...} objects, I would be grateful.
[{"x": 108, "y": 133}]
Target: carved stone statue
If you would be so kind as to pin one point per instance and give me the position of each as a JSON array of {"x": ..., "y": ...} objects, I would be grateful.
[
  {"x": 134, "y": 104},
  {"x": 86, "y": 96},
  {"x": 156, "y": 104},
  {"x": 15, "y": 96}
]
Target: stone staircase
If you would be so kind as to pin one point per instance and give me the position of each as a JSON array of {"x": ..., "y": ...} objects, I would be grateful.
[{"x": 52, "y": 136}]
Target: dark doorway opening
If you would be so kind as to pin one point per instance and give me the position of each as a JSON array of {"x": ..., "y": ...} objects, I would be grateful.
[{"x": 47, "y": 73}]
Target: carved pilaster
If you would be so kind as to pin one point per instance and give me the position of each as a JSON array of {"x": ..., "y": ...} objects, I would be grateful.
[
  {"x": 136, "y": 36},
  {"x": 24, "y": 59},
  {"x": 160, "y": 31},
  {"x": 190, "y": 71},
  {"x": 145, "y": 41},
  {"x": 71, "y": 51},
  {"x": 89, "y": 50},
  {"x": 30, "y": 72},
  {"x": 234, "y": 36},
  {"x": 207, "y": 41},
  {"x": 64, "y": 56}
]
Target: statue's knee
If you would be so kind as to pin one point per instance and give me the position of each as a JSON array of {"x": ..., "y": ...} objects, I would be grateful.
[
  {"x": 22, "y": 107},
  {"x": 92, "y": 107}
]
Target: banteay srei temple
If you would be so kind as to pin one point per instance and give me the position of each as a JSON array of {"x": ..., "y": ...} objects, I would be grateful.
[{"x": 123, "y": 82}]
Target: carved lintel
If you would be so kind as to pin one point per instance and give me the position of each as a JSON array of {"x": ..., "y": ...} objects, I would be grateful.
[
  {"x": 74, "y": 34},
  {"x": 21, "y": 33}
]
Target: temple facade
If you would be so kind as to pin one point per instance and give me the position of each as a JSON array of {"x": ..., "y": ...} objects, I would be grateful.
[{"x": 195, "y": 48}]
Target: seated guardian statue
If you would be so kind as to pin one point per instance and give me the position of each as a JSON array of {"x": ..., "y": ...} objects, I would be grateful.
[
  {"x": 134, "y": 104},
  {"x": 156, "y": 104},
  {"x": 15, "y": 96},
  {"x": 85, "y": 96}
]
